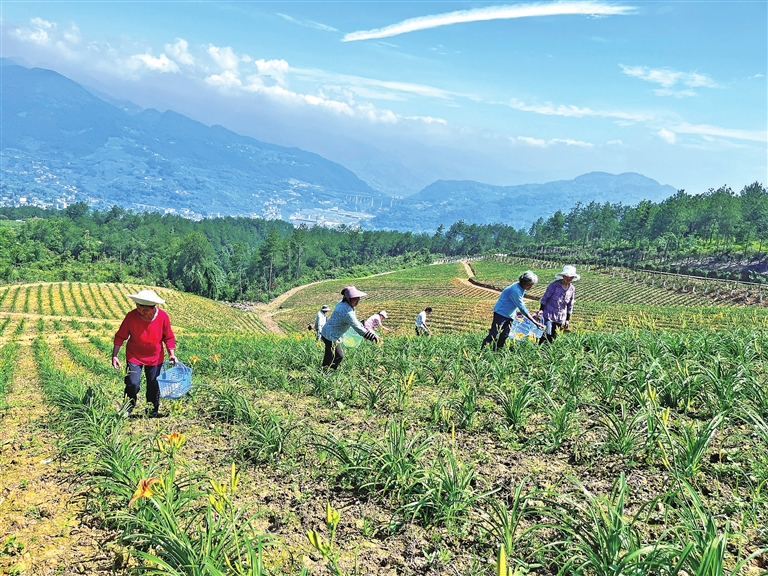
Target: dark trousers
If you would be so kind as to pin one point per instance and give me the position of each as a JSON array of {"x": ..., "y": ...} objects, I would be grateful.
[
  {"x": 334, "y": 354},
  {"x": 421, "y": 331},
  {"x": 546, "y": 338},
  {"x": 499, "y": 331},
  {"x": 133, "y": 382}
]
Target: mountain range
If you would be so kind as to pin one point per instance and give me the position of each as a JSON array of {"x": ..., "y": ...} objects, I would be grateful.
[{"x": 63, "y": 143}]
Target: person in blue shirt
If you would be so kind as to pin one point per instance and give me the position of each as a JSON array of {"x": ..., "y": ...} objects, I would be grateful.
[
  {"x": 342, "y": 318},
  {"x": 509, "y": 302}
]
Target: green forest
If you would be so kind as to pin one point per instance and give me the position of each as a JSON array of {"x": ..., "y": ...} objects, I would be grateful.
[{"x": 253, "y": 259}]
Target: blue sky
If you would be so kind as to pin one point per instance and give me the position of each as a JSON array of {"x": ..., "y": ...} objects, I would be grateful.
[{"x": 404, "y": 93}]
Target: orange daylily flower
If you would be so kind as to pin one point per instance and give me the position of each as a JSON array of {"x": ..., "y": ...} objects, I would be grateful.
[
  {"x": 194, "y": 360},
  {"x": 144, "y": 489},
  {"x": 175, "y": 439}
]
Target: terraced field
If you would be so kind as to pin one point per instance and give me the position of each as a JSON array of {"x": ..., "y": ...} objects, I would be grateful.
[
  {"x": 603, "y": 302},
  {"x": 420, "y": 456},
  {"x": 110, "y": 302},
  {"x": 638, "y": 444}
]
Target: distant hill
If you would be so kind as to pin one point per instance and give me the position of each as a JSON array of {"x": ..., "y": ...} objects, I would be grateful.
[
  {"x": 447, "y": 201},
  {"x": 61, "y": 143}
]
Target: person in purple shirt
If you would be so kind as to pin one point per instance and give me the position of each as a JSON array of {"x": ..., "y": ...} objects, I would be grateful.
[
  {"x": 509, "y": 302},
  {"x": 557, "y": 303}
]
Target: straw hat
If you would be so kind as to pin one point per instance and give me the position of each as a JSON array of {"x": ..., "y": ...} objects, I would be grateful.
[
  {"x": 569, "y": 271},
  {"x": 146, "y": 298}
]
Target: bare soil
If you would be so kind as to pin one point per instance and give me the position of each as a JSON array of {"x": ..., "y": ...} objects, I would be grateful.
[{"x": 41, "y": 528}]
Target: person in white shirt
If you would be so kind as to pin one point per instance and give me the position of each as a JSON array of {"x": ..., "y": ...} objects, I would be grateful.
[
  {"x": 421, "y": 323},
  {"x": 320, "y": 320},
  {"x": 374, "y": 321},
  {"x": 343, "y": 318}
]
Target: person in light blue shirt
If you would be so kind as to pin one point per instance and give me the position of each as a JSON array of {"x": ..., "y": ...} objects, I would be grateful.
[
  {"x": 343, "y": 318},
  {"x": 509, "y": 302}
]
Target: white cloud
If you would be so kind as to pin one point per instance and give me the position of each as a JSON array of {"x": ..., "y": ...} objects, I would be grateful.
[
  {"x": 308, "y": 23},
  {"x": 227, "y": 79},
  {"x": 273, "y": 69},
  {"x": 45, "y": 33},
  {"x": 427, "y": 119},
  {"x": 617, "y": 142},
  {"x": 490, "y": 13},
  {"x": 72, "y": 35},
  {"x": 667, "y": 135},
  {"x": 549, "y": 109},
  {"x": 569, "y": 142},
  {"x": 667, "y": 77},
  {"x": 160, "y": 64},
  {"x": 540, "y": 143},
  {"x": 180, "y": 52},
  {"x": 405, "y": 87},
  {"x": 717, "y": 131},
  {"x": 674, "y": 93},
  {"x": 225, "y": 58}
]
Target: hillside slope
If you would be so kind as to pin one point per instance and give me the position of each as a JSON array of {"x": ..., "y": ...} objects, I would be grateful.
[{"x": 107, "y": 303}]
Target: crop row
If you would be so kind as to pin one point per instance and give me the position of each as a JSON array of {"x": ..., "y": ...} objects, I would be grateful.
[
  {"x": 455, "y": 315},
  {"x": 104, "y": 301},
  {"x": 675, "y": 403},
  {"x": 8, "y": 354},
  {"x": 688, "y": 405},
  {"x": 411, "y": 283},
  {"x": 111, "y": 302},
  {"x": 616, "y": 285}
]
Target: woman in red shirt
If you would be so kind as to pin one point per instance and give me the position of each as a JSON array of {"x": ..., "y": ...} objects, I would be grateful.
[{"x": 146, "y": 329}]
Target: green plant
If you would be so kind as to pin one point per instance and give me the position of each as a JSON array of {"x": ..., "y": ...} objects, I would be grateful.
[
  {"x": 503, "y": 522},
  {"x": 446, "y": 493},
  {"x": 373, "y": 393},
  {"x": 403, "y": 389},
  {"x": 598, "y": 538},
  {"x": 465, "y": 405},
  {"x": 267, "y": 436},
  {"x": 625, "y": 433},
  {"x": 562, "y": 423},
  {"x": 706, "y": 553},
  {"x": 686, "y": 446},
  {"x": 327, "y": 549},
  {"x": 515, "y": 403}
]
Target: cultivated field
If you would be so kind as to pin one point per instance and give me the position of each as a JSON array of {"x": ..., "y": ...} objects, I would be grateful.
[
  {"x": 89, "y": 302},
  {"x": 637, "y": 451}
]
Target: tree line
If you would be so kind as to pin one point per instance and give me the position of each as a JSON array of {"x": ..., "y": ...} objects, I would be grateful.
[{"x": 252, "y": 259}]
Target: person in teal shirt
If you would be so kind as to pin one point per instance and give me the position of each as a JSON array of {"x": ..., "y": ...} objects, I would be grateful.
[{"x": 509, "y": 302}]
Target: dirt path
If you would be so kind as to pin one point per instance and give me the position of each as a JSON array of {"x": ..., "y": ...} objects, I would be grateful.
[
  {"x": 266, "y": 312},
  {"x": 468, "y": 268},
  {"x": 491, "y": 293},
  {"x": 40, "y": 529}
]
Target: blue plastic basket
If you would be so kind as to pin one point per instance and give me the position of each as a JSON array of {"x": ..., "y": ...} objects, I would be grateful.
[
  {"x": 525, "y": 329},
  {"x": 175, "y": 380}
]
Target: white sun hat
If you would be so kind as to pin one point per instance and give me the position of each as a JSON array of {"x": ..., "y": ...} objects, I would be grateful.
[
  {"x": 383, "y": 314},
  {"x": 352, "y": 292},
  {"x": 569, "y": 271},
  {"x": 146, "y": 298}
]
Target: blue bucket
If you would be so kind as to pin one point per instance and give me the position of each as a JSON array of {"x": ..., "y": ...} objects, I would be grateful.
[{"x": 174, "y": 380}]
